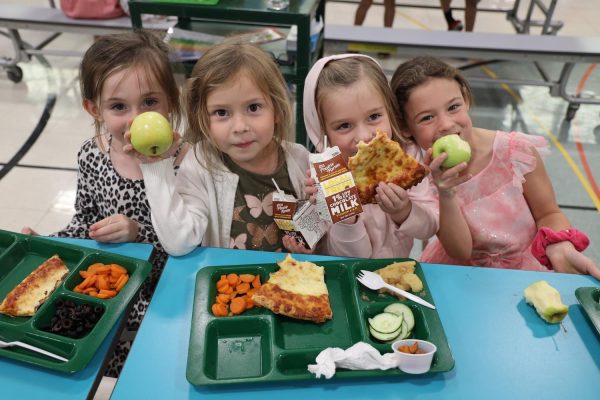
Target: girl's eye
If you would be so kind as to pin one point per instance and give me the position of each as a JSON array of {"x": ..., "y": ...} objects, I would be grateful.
[
  {"x": 220, "y": 113},
  {"x": 454, "y": 107},
  {"x": 150, "y": 102},
  {"x": 426, "y": 118},
  {"x": 374, "y": 117},
  {"x": 343, "y": 126},
  {"x": 117, "y": 107},
  {"x": 255, "y": 107}
]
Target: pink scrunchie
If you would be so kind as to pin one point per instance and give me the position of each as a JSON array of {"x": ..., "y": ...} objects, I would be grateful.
[{"x": 546, "y": 236}]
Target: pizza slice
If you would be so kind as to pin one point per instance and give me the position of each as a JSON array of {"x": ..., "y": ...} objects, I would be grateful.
[
  {"x": 383, "y": 160},
  {"x": 34, "y": 290},
  {"x": 296, "y": 290}
]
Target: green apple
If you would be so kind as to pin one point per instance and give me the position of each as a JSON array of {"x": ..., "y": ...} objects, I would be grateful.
[
  {"x": 457, "y": 150},
  {"x": 546, "y": 301},
  {"x": 151, "y": 133}
]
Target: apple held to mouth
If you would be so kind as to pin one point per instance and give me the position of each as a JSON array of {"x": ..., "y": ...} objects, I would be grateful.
[
  {"x": 151, "y": 134},
  {"x": 455, "y": 148}
]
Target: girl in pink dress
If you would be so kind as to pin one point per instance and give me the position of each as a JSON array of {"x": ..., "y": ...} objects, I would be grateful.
[{"x": 499, "y": 209}]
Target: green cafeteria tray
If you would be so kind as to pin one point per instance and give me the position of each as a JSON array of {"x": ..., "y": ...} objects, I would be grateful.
[
  {"x": 259, "y": 346},
  {"x": 19, "y": 256},
  {"x": 589, "y": 298}
]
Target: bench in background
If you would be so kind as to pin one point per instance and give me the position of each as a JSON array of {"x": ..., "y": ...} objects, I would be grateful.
[
  {"x": 475, "y": 45},
  {"x": 49, "y": 19}
]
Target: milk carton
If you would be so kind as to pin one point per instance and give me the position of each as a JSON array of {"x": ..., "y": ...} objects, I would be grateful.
[
  {"x": 298, "y": 218},
  {"x": 337, "y": 196}
]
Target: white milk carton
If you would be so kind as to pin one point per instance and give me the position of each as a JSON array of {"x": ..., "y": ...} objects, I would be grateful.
[
  {"x": 298, "y": 218},
  {"x": 337, "y": 196}
]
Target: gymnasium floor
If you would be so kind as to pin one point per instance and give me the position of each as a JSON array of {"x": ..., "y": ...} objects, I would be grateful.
[{"x": 44, "y": 125}]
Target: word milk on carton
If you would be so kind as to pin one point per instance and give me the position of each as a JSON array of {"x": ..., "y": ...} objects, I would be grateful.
[
  {"x": 299, "y": 219},
  {"x": 337, "y": 196}
]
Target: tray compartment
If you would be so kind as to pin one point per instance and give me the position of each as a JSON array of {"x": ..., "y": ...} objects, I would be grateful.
[
  {"x": 420, "y": 331},
  {"x": 45, "y": 318},
  {"x": 21, "y": 260},
  {"x": 215, "y": 275},
  {"x": 294, "y": 363},
  {"x": 298, "y": 334},
  {"x": 75, "y": 278},
  {"x": 238, "y": 348}
]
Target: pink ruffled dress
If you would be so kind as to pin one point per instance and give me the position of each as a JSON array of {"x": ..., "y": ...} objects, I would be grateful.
[{"x": 501, "y": 224}]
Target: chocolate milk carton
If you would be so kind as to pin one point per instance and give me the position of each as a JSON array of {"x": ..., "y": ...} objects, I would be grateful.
[
  {"x": 298, "y": 218},
  {"x": 337, "y": 195}
]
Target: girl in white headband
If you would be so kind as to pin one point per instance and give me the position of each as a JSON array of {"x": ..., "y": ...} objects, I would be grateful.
[{"x": 347, "y": 98}]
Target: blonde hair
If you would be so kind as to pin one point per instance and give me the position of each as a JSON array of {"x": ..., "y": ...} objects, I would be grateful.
[
  {"x": 111, "y": 54},
  {"x": 419, "y": 70},
  {"x": 347, "y": 71},
  {"x": 219, "y": 65}
]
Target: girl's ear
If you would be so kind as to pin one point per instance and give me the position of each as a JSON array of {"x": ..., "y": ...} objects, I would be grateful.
[{"x": 92, "y": 109}]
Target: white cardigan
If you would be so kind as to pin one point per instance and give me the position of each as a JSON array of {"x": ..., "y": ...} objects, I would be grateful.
[{"x": 196, "y": 206}]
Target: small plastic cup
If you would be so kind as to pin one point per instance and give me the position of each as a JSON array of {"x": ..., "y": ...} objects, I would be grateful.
[{"x": 414, "y": 363}]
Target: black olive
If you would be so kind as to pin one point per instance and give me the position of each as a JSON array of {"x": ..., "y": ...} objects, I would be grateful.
[{"x": 98, "y": 310}]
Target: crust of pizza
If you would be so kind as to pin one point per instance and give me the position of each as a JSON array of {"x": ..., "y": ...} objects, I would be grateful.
[
  {"x": 383, "y": 160},
  {"x": 30, "y": 294},
  {"x": 296, "y": 290}
]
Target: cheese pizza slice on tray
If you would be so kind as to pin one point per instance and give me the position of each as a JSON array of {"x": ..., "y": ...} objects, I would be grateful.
[
  {"x": 32, "y": 292},
  {"x": 383, "y": 160},
  {"x": 296, "y": 290}
]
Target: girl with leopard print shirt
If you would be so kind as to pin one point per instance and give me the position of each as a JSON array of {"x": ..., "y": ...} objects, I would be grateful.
[
  {"x": 121, "y": 76},
  {"x": 238, "y": 113}
]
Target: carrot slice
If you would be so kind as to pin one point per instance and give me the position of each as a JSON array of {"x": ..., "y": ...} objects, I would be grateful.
[
  {"x": 232, "y": 279},
  {"x": 256, "y": 282},
  {"x": 121, "y": 282},
  {"x": 223, "y": 298},
  {"x": 237, "y": 306},
  {"x": 243, "y": 288},
  {"x": 219, "y": 310},
  {"x": 248, "y": 278}
]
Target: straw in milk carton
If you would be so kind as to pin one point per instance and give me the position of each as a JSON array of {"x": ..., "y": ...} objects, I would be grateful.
[
  {"x": 337, "y": 196},
  {"x": 298, "y": 219}
]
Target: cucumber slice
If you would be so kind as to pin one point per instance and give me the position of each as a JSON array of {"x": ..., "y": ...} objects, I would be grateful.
[
  {"x": 384, "y": 337},
  {"x": 386, "y": 322},
  {"x": 404, "y": 310},
  {"x": 404, "y": 331}
]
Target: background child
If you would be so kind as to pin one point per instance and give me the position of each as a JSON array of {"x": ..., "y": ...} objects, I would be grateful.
[
  {"x": 121, "y": 76},
  {"x": 494, "y": 207},
  {"x": 347, "y": 98},
  {"x": 238, "y": 113}
]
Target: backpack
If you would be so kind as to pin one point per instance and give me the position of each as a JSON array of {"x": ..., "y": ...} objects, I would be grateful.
[{"x": 91, "y": 9}]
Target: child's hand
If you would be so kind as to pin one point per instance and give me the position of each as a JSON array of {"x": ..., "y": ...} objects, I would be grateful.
[
  {"x": 393, "y": 200},
  {"x": 28, "y": 231},
  {"x": 445, "y": 179},
  {"x": 309, "y": 187},
  {"x": 292, "y": 245},
  {"x": 128, "y": 148},
  {"x": 565, "y": 258},
  {"x": 115, "y": 229}
]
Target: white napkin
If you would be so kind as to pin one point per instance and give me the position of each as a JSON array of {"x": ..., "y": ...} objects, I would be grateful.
[{"x": 360, "y": 356}]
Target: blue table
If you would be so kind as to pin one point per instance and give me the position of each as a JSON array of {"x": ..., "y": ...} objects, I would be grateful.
[
  {"x": 26, "y": 381},
  {"x": 502, "y": 349}
]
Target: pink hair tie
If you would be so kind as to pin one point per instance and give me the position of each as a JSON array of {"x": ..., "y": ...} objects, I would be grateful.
[{"x": 547, "y": 236}]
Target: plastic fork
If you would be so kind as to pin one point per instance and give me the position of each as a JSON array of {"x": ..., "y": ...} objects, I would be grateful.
[
  {"x": 374, "y": 281},
  {"x": 32, "y": 348}
]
